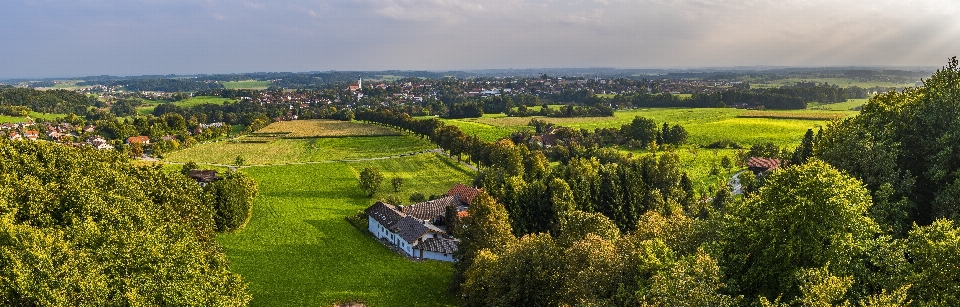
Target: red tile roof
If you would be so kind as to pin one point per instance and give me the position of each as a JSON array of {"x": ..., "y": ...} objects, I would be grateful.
[
  {"x": 763, "y": 164},
  {"x": 465, "y": 193}
]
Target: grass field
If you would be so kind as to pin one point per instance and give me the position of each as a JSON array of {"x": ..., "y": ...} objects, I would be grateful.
[
  {"x": 298, "y": 250},
  {"x": 283, "y": 151},
  {"x": 247, "y": 84},
  {"x": 33, "y": 115},
  {"x": 848, "y": 105},
  {"x": 198, "y": 100},
  {"x": 703, "y": 125},
  {"x": 326, "y": 128}
]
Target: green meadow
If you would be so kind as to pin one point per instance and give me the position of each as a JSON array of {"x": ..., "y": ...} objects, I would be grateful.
[
  {"x": 283, "y": 151},
  {"x": 298, "y": 250},
  {"x": 705, "y": 125},
  {"x": 33, "y": 115}
]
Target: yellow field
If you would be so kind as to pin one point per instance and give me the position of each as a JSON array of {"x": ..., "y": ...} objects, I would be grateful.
[{"x": 326, "y": 128}]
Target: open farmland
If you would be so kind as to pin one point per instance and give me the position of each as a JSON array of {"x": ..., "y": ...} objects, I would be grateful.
[
  {"x": 298, "y": 250},
  {"x": 326, "y": 128},
  {"x": 704, "y": 125},
  {"x": 284, "y": 151},
  {"x": 33, "y": 115},
  {"x": 848, "y": 105}
]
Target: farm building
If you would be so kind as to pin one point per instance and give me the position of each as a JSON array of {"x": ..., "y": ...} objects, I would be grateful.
[
  {"x": 413, "y": 229},
  {"x": 415, "y": 237},
  {"x": 761, "y": 166}
]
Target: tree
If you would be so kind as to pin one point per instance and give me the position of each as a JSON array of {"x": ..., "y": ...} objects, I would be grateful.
[
  {"x": 233, "y": 199},
  {"x": 805, "y": 150},
  {"x": 187, "y": 167},
  {"x": 239, "y": 161},
  {"x": 725, "y": 162},
  {"x": 417, "y": 197},
  {"x": 370, "y": 180},
  {"x": 82, "y": 227},
  {"x": 486, "y": 227},
  {"x": 804, "y": 216},
  {"x": 397, "y": 182},
  {"x": 694, "y": 280},
  {"x": 136, "y": 150},
  {"x": 507, "y": 157}
]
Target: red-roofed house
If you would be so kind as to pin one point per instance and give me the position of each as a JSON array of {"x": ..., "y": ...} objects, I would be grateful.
[
  {"x": 32, "y": 135},
  {"x": 15, "y": 136},
  {"x": 144, "y": 140},
  {"x": 464, "y": 193},
  {"x": 763, "y": 165}
]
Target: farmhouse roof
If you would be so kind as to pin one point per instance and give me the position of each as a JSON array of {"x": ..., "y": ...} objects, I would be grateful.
[
  {"x": 440, "y": 245},
  {"x": 763, "y": 164},
  {"x": 464, "y": 193},
  {"x": 138, "y": 139},
  {"x": 430, "y": 210},
  {"x": 205, "y": 176},
  {"x": 384, "y": 214},
  {"x": 411, "y": 229}
]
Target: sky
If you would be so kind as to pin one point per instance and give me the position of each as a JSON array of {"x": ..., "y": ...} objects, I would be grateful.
[{"x": 47, "y": 38}]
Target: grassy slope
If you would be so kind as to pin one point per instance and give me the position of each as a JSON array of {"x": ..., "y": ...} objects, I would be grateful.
[{"x": 298, "y": 250}]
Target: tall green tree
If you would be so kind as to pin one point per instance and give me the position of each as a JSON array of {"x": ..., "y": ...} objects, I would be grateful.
[
  {"x": 370, "y": 180},
  {"x": 803, "y": 217},
  {"x": 487, "y": 226}
]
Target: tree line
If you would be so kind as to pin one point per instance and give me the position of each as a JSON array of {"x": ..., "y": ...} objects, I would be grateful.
[{"x": 52, "y": 101}]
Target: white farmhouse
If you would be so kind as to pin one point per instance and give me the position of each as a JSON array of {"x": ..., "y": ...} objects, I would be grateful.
[{"x": 414, "y": 233}]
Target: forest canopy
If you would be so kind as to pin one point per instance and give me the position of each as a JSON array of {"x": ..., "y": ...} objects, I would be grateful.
[{"x": 81, "y": 227}]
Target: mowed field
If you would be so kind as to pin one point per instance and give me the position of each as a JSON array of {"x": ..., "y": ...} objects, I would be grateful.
[
  {"x": 704, "y": 126},
  {"x": 284, "y": 151},
  {"x": 326, "y": 128},
  {"x": 298, "y": 250}
]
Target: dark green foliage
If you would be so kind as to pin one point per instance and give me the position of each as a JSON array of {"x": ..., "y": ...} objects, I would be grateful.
[
  {"x": 52, "y": 101},
  {"x": 187, "y": 167},
  {"x": 124, "y": 107},
  {"x": 370, "y": 180},
  {"x": 417, "y": 197},
  {"x": 396, "y": 182},
  {"x": 86, "y": 228},
  {"x": 908, "y": 140},
  {"x": 805, "y": 151},
  {"x": 233, "y": 200},
  {"x": 803, "y": 217}
]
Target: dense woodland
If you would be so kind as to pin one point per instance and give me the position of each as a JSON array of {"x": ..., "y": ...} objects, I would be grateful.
[{"x": 81, "y": 227}]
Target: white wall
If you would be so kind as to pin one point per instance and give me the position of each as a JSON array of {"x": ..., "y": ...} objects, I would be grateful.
[{"x": 436, "y": 256}]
